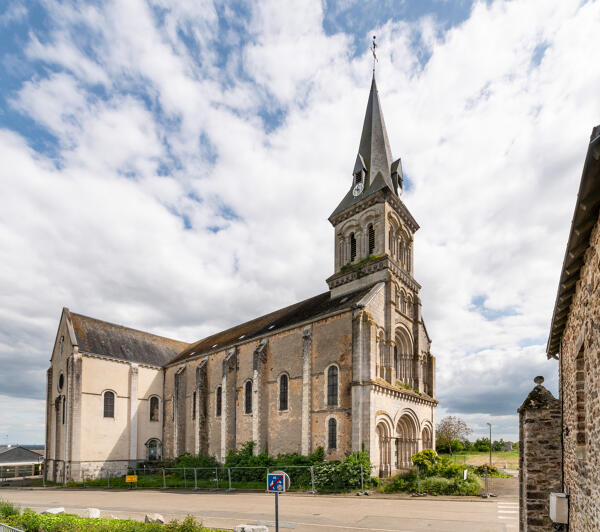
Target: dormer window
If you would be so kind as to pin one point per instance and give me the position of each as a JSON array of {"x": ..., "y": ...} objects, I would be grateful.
[{"x": 358, "y": 177}]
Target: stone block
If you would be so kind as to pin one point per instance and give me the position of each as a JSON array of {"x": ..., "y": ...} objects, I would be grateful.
[
  {"x": 93, "y": 513},
  {"x": 154, "y": 518},
  {"x": 251, "y": 528},
  {"x": 54, "y": 511}
]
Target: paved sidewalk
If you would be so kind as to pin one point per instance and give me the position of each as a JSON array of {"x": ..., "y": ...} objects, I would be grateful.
[{"x": 299, "y": 512}]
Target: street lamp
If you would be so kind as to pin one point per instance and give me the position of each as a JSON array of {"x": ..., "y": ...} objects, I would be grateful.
[{"x": 490, "y": 425}]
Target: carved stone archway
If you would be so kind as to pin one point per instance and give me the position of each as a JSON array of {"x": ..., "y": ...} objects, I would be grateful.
[{"x": 407, "y": 442}]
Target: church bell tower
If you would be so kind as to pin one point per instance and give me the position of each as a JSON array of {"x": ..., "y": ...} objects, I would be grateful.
[{"x": 373, "y": 228}]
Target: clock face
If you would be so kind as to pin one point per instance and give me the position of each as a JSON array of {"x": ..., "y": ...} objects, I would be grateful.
[{"x": 358, "y": 188}]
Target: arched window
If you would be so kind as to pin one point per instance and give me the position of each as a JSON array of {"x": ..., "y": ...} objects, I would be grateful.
[
  {"x": 396, "y": 359},
  {"x": 248, "y": 405},
  {"x": 64, "y": 410},
  {"x": 332, "y": 386},
  {"x": 194, "y": 397},
  {"x": 218, "y": 402},
  {"x": 352, "y": 247},
  {"x": 332, "y": 434},
  {"x": 381, "y": 358},
  {"x": 109, "y": 404},
  {"x": 371, "y": 239},
  {"x": 154, "y": 406},
  {"x": 283, "y": 392},
  {"x": 154, "y": 449}
]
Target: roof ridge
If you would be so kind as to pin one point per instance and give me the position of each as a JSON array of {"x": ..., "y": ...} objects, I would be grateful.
[
  {"x": 277, "y": 314},
  {"x": 127, "y": 328}
]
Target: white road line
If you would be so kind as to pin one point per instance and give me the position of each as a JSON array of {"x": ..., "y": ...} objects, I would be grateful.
[
  {"x": 507, "y": 517},
  {"x": 508, "y": 512}
]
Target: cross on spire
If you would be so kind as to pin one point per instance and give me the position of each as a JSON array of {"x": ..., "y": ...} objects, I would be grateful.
[{"x": 373, "y": 48}]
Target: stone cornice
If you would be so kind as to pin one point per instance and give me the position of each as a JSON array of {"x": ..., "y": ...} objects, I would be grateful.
[
  {"x": 399, "y": 393},
  {"x": 379, "y": 197},
  {"x": 373, "y": 266}
]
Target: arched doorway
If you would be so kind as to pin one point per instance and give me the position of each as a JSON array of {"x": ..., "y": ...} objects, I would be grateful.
[
  {"x": 383, "y": 441},
  {"x": 407, "y": 442}
]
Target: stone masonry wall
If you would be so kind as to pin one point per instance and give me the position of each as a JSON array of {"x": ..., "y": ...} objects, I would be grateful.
[
  {"x": 539, "y": 458},
  {"x": 580, "y": 394}
]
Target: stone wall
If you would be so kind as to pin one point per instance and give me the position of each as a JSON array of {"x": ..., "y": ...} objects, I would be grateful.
[
  {"x": 539, "y": 458},
  {"x": 580, "y": 350}
]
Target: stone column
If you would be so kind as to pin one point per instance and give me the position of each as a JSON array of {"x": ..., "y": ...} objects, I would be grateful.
[
  {"x": 306, "y": 390},
  {"x": 133, "y": 412},
  {"x": 75, "y": 416},
  {"x": 540, "y": 462},
  {"x": 259, "y": 403},
  {"x": 228, "y": 404},
  {"x": 49, "y": 431},
  {"x": 201, "y": 428},
  {"x": 363, "y": 366}
]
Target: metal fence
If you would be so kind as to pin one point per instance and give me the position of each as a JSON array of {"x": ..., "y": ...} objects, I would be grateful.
[
  {"x": 311, "y": 479},
  {"x": 202, "y": 478},
  {"x": 6, "y": 528}
]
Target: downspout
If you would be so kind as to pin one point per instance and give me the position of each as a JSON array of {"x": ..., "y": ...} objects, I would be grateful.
[{"x": 562, "y": 420}]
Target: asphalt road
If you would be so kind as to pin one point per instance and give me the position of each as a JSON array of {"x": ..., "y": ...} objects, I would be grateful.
[{"x": 299, "y": 512}]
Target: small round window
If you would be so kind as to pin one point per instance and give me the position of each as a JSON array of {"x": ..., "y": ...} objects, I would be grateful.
[{"x": 61, "y": 382}]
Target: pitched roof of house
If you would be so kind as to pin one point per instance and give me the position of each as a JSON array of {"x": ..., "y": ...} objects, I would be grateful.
[
  {"x": 115, "y": 341},
  {"x": 585, "y": 218},
  {"x": 269, "y": 323},
  {"x": 18, "y": 454}
]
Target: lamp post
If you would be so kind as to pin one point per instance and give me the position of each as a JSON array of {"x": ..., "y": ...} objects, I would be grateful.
[{"x": 490, "y": 425}]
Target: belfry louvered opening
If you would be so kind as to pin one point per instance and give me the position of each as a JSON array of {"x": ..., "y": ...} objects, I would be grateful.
[
  {"x": 352, "y": 247},
  {"x": 371, "y": 239}
]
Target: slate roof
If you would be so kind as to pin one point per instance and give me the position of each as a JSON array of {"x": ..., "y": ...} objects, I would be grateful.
[
  {"x": 115, "y": 341},
  {"x": 585, "y": 218},
  {"x": 304, "y": 310},
  {"x": 374, "y": 150},
  {"x": 17, "y": 454}
]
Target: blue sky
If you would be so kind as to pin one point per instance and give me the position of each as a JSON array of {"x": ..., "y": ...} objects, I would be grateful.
[{"x": 171, "y": 166}]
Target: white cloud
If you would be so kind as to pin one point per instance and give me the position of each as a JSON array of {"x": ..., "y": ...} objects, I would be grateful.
[{"x": 491, "y": 140}]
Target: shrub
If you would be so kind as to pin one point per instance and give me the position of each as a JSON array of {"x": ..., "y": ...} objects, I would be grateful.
[
  {"x": 344, "y": 475},
  {"x": 8, "y": 508},
  {"x": 427, "y": 461},
  {"x": 438, "y": 477},
  {"x": 29, "y": 521}
]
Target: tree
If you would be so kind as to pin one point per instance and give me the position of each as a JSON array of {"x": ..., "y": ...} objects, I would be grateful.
[{"x": 451, "y": 428}]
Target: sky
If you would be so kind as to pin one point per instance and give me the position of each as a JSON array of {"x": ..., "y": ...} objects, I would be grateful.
[{"x": 170, "y": 166}]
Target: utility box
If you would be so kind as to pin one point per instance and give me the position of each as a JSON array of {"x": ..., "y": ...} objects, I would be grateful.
[{"x": 559, "y": 508}]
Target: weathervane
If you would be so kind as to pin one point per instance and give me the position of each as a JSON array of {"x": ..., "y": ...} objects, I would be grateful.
[{"x": 373, "y": 48}]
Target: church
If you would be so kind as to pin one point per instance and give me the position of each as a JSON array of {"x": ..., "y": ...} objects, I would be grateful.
[{"x": 346, "y": 370}]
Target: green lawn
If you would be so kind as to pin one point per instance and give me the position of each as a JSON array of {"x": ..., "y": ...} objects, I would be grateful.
[{"x": 502, "y": 459}]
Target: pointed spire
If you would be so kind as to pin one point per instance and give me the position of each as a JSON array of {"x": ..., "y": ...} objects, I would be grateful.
[
  {"x": 374, "y": 144},
  {"x": 374, "y": 158}
]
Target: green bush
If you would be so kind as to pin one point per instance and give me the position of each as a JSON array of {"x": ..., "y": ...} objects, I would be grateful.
[
  {"x": 438, "y": 477},
  {"x": 8, "y": 508},
  {"x": 29, "y": 521},
  {"x": 427, "y": 461},
  {"x": 344, "y": 475}
]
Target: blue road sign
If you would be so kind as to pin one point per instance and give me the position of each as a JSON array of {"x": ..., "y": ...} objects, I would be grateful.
[{"x": 276, "y": 482}]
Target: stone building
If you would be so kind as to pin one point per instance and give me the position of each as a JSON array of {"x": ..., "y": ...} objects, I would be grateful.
[
  {"x": 575, "y": 342},
  {"x": 348, "y": 369}
]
